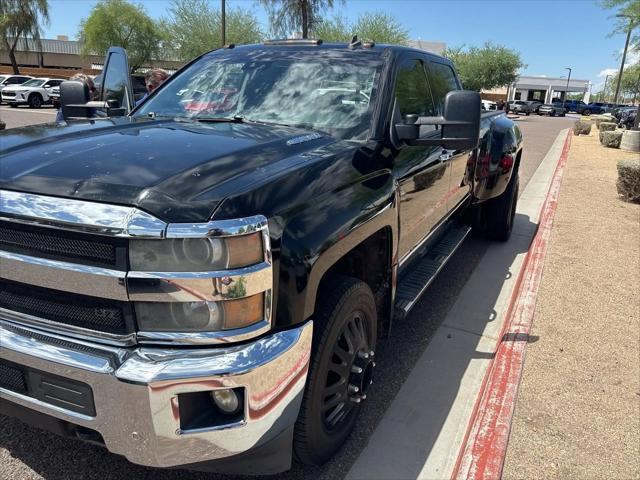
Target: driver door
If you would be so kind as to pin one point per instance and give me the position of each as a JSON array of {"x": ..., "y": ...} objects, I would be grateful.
[
  {"x": 423, "y": 173},
  {"x": 116, "y": 89}
]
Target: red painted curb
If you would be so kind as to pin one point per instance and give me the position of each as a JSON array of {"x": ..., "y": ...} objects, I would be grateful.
[{"x": 485, "y": 445}]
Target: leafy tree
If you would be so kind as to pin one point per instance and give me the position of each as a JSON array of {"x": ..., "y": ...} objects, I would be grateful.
[
  {"x": 194, "y": 27},
  {"x": 376, "y": 26},
  {"x": 287, "y": 16},
  {"x": 486, "y": 67},
  {"x": 21, "y": 19},
  {"x": 630, "y": 83},
  {"x": 629, "y": 11},
  {"x": 124, "y": 24}
]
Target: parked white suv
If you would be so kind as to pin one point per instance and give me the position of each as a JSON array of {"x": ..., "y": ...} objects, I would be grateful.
[
  {"x": 35, "y": 92},
  {"x": 6, "y": 80}
]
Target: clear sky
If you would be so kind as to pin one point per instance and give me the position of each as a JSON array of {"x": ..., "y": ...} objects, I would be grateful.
[{"x": 549, "y": 34}]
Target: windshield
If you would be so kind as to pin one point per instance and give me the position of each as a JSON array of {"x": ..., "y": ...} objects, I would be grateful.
[
  {"x": 2, "y": 78},
  {"x": 36, "y": 82},
  {"x": 310, "y": 89}
]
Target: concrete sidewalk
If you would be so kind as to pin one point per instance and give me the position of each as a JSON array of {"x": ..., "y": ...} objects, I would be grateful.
[{"x": 578, "y": 408}]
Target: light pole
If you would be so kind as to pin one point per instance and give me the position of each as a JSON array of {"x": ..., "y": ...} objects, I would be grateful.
[
  {"x": 604, "y": 90},
  {"x": 222, "y": 24},
  {"x": 566, "y": 92},
  {"x": 624, "y": 54}
]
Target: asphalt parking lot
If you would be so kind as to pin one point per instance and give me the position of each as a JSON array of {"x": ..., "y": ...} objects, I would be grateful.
[{"x": 27, "y": 453}]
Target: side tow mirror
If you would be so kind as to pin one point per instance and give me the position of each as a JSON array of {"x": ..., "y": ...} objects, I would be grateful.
[
  {"x": 73, "y": 99},
  {"x": 460, "y": 123}
]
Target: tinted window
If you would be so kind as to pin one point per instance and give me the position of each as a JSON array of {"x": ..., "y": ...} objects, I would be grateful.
[
  {"x": 115, "y": 80},
  {"x": 442, "y": 81},
  {"x": 412, "y": 91},
  {"x": 36, "y": 82}
]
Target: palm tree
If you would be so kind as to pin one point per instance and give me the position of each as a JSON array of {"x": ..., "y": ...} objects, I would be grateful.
[
  {"x": 295, "y": 15},
  {"x": 21, "y": 19}
]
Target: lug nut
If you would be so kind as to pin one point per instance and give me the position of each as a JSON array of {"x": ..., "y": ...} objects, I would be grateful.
[
  {"x": 363, "y": 355},
  {"x": 353, "y": 389},
  {"x": 373, "y": 364},
  {"x": 371, "y": 353},
  {"x": 355, "y": 399},
  {"x": 356, "y": 369}
]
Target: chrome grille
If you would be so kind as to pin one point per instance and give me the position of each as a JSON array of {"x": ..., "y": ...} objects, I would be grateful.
[
  {"x": 68, "y": 309},
  {"x": 62, "y": 245}
]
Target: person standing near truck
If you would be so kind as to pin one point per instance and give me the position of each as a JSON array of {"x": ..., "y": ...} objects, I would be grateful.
[{"x": 152, "y": 80}]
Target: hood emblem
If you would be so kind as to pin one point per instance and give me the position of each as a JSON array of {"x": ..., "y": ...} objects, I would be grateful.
[{"x": 303, "y": 138}]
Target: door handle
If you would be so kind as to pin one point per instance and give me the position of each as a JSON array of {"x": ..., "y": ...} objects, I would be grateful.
[{"x": 445, "y": 156}]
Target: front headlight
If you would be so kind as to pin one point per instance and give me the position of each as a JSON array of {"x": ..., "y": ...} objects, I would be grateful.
[
  {"x": 200, "y": 316},
  {"x": 195, "y": 254}
]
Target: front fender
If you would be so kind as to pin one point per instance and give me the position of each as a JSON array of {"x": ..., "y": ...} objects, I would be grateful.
[{"x": 320, "y": 235}]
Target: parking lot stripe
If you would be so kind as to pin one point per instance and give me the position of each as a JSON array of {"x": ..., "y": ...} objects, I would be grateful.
[{"x": 485, "y": 445}]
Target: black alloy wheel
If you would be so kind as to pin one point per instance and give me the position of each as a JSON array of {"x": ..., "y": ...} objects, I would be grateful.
[{"x": 341, "y": 369}]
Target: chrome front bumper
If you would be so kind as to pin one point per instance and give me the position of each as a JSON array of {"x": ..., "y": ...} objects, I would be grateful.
[{"x": 135, "y": 391}]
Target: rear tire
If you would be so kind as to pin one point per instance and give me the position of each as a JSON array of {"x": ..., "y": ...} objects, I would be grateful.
[
  {"x": 499, "y": 213},
  {"x": 586, "y": 112},
  {"x": 345, "y": 331}
]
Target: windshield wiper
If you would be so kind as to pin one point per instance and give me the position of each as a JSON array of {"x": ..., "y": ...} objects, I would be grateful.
[{"x": 234, "y": 119}]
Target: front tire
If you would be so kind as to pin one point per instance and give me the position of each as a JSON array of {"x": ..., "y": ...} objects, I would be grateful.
[
  {"x": 35, "y": 100},
  {"x": 341, "y": 369},
  {"x": 586, "y": 112},
  {"x": 499, "y": 213}
]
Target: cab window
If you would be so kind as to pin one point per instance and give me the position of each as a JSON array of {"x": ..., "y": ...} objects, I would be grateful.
[
  {"x": 412, "y": 92},
  {"x": 442, "y": 80}
]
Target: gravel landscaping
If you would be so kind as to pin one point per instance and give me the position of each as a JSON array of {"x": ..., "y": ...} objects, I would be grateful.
[{"x": 578, "y": 410}]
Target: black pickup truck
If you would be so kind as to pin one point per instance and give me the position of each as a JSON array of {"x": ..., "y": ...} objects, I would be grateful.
[{"x": 201, "y": 281}]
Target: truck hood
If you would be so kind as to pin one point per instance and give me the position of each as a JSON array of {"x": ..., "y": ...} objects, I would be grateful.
[{"x": 176, "y": 170}]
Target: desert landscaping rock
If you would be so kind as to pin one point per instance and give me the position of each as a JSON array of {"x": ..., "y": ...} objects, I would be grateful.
[
  {"x": 607, "y": 126},
  {"x": 582, "y": 127},
  {"x": 610, "y": 139},
  {"x": 629, "y": 180}
]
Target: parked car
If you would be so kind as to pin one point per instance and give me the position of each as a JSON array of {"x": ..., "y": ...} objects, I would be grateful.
[
  {"x": 534, "y": 104},
  {"x": 552, "y": 110},
  {"x": 574, "y": 105},
  {"x": 35, "y": 92},
  {"x": 54, "y": 94},
  {"x": 593, "y": 108},
  {"x": 489, "y": 105},
  {"x": 208, "y": 287},
  {"x": 6, "y": 80},
  {"x": 520, "y": 106},
  {"x": 628, "y": 118}
]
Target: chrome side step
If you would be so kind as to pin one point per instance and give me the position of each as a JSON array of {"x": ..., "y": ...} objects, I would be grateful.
[{"x": 416, "y": 281}]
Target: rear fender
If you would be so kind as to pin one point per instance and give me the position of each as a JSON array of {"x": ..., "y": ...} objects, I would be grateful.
[{"x": 496, "y": 159}]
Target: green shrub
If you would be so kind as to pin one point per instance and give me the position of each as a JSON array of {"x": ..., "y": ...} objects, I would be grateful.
[
  {"x": 607, "y": 126},
  {"x": 629, "y": 180},
  {"x": 610, "y": 138},
  {"x": 582, "y": 128}
]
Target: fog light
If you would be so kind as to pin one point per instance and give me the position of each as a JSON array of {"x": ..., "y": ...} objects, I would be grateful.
[{"x": 226, "y": 400}]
